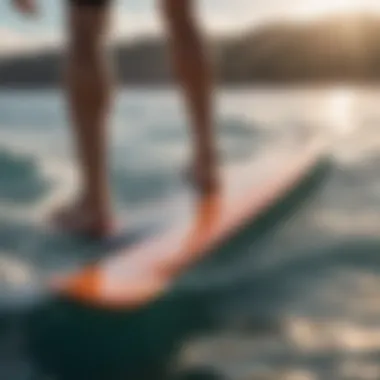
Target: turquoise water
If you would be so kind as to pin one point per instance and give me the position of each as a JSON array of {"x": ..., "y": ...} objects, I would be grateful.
[{"x": 303, "y": 304}]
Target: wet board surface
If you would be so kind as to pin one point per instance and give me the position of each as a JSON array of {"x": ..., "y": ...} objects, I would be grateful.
[{"x": 141, "y": 273}]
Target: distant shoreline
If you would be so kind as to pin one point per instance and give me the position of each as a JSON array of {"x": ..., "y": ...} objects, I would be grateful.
[
  {"x": 279, "y": 54},
  {"x": 317, "y": 85}
]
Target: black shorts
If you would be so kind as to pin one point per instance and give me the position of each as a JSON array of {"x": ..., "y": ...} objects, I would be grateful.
[{"x": 93, "y": 3}]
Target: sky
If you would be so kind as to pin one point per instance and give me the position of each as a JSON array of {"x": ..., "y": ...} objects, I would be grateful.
[{"x": 134, "y": 17}]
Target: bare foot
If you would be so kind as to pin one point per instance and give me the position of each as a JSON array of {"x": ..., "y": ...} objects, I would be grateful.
[
  {"x": 80, "y": 219},
  {"x": 205, "y": 177}
]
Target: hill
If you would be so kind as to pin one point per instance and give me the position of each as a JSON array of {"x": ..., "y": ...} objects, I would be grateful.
[{"x": 339, "y": 48}]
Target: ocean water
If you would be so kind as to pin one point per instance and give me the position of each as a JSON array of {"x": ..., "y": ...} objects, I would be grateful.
[{"x": 317, "y": 277}]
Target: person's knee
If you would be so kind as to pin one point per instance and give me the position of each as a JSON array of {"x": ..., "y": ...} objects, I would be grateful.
[
  {"x": 84, "y": 49},
  {"x": 86, "y": 37}
]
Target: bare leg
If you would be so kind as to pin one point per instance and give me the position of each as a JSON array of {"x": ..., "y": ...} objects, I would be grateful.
[
  {"x": 193, "y": 71},
  {"x": 89, "y": 98}
]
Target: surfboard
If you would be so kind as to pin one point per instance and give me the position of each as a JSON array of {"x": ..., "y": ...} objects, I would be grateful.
[{"x": 140, "y": 274}]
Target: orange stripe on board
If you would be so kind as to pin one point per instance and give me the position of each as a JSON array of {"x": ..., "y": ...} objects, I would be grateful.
[{"x": 142, "y": 273}]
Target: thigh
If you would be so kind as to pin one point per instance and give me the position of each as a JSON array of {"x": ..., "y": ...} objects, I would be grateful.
[
  {"x": 178, "y": 13},
  {"x": 87, "y": 22},
  {"x": 94, "y": 3}
]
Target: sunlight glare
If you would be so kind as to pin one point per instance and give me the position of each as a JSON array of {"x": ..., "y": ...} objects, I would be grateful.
[
  {"x": 315, "y": 8},
  {"x": 339, "y": 110}
]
